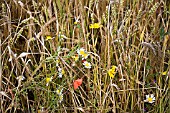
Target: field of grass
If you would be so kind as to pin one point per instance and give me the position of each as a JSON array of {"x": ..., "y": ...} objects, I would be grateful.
[{"x": 85, "y": 56}]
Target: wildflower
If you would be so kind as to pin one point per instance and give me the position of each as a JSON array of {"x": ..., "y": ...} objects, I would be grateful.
[
  {"x": 165, "y": 73},
  {"x": 60, "y": 98},
  {"x": 95, "y": 26},
  {"x": 150, "y": 98},
  {"x": 76, "y": 20},
  {"x": 85, "y": 55},
  {"x": 75, "y": 23},
  {"x": 61, "y": 72},
  {"x": 77, "y": 83},
  {"x": 48, "y": 37},
  {"x": 60, "y": 75},
  {"x": 76, "y": 57},
  {"x": 87, "y": 64},
  {"x": 20, "y": 78},
  {"x": 48, "y": 80},
  {"x": 112, "y": 71},
  {"x": 60, "y": 95},
  {"x": 57, "y": 61},
  {"x": 59, "y": 91}
]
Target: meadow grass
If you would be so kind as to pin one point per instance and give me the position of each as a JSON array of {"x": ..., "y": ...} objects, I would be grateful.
[{"x": 89, "y": 56}]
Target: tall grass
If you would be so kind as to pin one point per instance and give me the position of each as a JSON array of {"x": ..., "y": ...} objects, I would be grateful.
[{"x": 39, "y": 43}]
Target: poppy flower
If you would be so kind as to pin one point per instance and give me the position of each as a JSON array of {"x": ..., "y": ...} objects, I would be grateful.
[{"x": 77, "y": 83}]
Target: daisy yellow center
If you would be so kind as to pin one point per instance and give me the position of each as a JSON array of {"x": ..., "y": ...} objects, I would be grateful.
[
  {"x": 87, "y": 64},
  {"x": 58, "y": 91},
  {"x": 150, "y": 99},
  {"x": 48, "y": 80},
  {"x": 85, "y": 55},
  {"x": 82, "y": 52}
]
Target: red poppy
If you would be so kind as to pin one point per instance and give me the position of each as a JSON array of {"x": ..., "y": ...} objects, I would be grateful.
[{"x": 77, "y": 83}]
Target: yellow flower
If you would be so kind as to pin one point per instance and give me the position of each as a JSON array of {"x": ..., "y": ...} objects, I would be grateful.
[
  {"x": 75, "y": 57},
  {"x": 48, "y": 80},
  {"x": 48, "y": 37},
  {"x": 164, "y": 73},
  {"x": 114, "y": 68},
  {"x": 75, "y": 23},
  {"x": 112, "y": 71},
  {"x": 87, "y": 64},
  {"x": 62, "y": 72},
  {"x": 95, "y": 26}
]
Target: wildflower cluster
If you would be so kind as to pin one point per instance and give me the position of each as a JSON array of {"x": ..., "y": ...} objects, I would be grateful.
[{"x": 84, "y": 55}]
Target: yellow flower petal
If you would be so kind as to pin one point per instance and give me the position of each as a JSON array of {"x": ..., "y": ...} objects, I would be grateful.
[
  {"x": 63, "y": 72},
  {"x": 75, "y": 22},
  {"x": 112, "y": 71},
  {"x": 48, "y": 80},
  {"x": 164, "y": 73},
  {"x": 95, "y": 26},
  {"x": 48, "y": 37},
  {"x": 75, "y": 58}
]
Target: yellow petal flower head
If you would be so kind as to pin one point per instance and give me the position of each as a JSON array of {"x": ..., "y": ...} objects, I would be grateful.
[
  {"x": 48, "y": 80},
  {"x": 165, "y": 73},
  {"x": 62, "y": 72},
  {"x": 112, "y": 71},
  {"x": 48, "y": 37},
  {"x": 95, "y": 26},
  {"x": 76, "y": 57}
]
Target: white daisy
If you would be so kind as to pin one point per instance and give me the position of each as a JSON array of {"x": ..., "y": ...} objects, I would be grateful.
[
  {"x": 82, "y": 53},
  {"x": 150, "y": 98},
  {"x": 87, "y": 64},
  {"x": 20, "y": 78}
]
